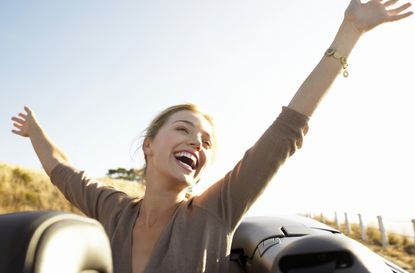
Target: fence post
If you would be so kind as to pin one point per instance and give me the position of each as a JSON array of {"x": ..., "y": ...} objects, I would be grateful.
[
  {"x": 362, "y": 227},
  {"x": 321, "y": 217},
  {"x": 347, "y": 223},
  {"x": 413, "y": 223},
  {"x": 383, "y": 234},
  {"x": 336, "y": 219}
]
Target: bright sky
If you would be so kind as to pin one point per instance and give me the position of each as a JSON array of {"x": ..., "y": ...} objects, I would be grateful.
[{"x": 96, "y": 72}]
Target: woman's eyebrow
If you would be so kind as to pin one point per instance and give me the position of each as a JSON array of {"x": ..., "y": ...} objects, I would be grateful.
[
  {"x": 185, "y": 121},
  {"x": 193, "y": 125}
]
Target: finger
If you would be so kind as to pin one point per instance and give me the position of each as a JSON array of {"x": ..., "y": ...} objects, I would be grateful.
[
  {"x": 18, "y": 126},
  {"x": 24, "y": 116},
  {"x": 19, "y": 120},
  {"x": 390, "y": 3},
  {"x": 399, "y": 9},
  {"x": 400, "y": 16},
  {"x": 17, "y": 132}
]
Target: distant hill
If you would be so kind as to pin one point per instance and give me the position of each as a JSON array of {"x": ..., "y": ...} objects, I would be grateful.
[{"x": 24, "y": 189}]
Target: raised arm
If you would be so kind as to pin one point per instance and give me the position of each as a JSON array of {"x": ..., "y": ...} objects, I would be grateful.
[
  {"x": 27, "y": 125},
  {"x": 232, "y": 196},
  {"x": 358, "y": 19}
]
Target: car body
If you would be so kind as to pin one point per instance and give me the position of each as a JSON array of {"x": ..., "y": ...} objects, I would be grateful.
[
  {"x": 39, "y": 242},
  {"x": 296, "y": 244}
]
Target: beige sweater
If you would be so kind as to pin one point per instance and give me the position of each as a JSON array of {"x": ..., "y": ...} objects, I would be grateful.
[{"x": 198, "y": 238}]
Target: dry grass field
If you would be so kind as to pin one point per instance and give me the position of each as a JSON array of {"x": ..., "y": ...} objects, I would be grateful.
[
  {"x": 23, "y": 189},
  {"x": 401, "y": 250}
]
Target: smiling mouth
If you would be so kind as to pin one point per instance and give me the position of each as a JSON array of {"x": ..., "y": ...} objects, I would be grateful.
[
  {"x": 185, "y": 166},
  {"x": 187, "y": 160}
]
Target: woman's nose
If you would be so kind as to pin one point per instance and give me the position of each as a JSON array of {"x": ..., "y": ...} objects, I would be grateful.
[{"x": 196, "y": 142}]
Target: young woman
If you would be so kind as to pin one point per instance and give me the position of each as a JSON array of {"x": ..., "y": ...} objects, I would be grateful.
[{"x": 165, "y": 231}]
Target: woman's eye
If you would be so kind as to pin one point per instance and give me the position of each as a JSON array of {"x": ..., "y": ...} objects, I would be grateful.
[
  {"x": 207, "y": 144},
  {"x": 182, "y": 129}
]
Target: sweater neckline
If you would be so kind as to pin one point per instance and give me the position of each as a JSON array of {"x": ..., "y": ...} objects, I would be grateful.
[{"x": 157, "y": 244}]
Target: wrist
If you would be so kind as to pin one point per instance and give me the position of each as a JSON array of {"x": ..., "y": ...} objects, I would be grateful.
[
  {"x": 352, "y": 26},
  {"x": 346, "y": 38},
  {"x": 36, "y": 131}
]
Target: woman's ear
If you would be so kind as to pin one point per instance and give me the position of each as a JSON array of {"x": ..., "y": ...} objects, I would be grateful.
[{"x": 147, "y": 147}]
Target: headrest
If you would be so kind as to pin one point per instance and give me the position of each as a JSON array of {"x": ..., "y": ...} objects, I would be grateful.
[{"x": 50, "y": 242}]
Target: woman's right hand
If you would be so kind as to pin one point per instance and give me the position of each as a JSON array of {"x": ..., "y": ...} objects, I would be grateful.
[
  {"x": 49, "y": 154},
  {"x": 24, "y": 123}
]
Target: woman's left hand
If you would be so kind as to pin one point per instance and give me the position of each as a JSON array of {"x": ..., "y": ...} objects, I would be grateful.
[{"x": 365, "y": 16}]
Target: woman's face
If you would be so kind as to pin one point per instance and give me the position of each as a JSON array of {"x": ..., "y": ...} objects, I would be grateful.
[{"x": 181, "y": 149}]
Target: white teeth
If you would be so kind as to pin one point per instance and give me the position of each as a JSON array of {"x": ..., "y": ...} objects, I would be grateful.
[{"x": 188, "y": 155}]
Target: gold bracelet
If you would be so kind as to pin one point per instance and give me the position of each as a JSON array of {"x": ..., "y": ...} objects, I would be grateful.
[{"x": 338, "y": 56}]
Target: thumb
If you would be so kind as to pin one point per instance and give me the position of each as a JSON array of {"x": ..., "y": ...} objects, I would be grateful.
[{"x": 28, "y": 110}]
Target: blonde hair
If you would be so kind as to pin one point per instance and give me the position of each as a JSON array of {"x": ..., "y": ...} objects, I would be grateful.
[{"x": 155, "y": 125}]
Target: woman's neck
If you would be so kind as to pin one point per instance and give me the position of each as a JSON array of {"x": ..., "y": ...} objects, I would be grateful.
[{"x": 159, "y": 203}]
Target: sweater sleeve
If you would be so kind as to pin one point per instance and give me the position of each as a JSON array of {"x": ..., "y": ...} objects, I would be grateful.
[
  {"x": 232, "y": 196},
  {"x": 104, "y": 203}
]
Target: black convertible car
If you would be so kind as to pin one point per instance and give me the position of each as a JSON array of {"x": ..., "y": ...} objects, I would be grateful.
[{"x": 39, "y": 242}]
